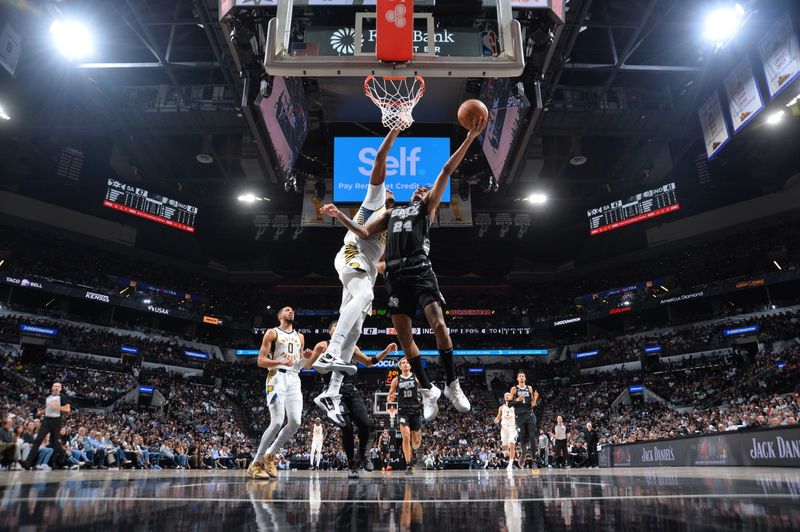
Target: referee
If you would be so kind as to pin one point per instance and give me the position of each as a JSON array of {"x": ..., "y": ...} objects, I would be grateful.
[
  {"x": 54, "y": 405},
  {"x": 561, "y": 442}
]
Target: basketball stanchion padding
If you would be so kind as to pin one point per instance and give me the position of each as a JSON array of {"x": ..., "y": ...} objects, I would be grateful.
[{"x": 395, "y": 31}]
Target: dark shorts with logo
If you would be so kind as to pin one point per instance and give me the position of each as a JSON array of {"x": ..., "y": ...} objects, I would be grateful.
[
  {"x": 411, "y": 287},
  {"x": 411, "y": 419}
]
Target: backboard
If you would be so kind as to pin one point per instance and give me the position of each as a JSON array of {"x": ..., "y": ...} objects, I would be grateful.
[{"x": 498, "y": 53}]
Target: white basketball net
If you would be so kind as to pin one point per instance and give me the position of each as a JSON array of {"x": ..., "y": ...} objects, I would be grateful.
[{"x": 396, "y": 98}]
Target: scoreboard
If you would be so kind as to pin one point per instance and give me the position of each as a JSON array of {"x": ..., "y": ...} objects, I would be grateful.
[
  {"x": 139, "y": 202},
  {"x": 648, "y": 204}
]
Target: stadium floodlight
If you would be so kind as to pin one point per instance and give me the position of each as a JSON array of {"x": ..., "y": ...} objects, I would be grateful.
[
  {"x": 723, "y": 23},
  {"x": 147, "y": 301},
  {"x": 251, "y": 198},
  {"x": 537, "y": 198},
  {"x": 72, "y": 38},
  {"x": 775, "y": 117},
  {"x": 775, "y": 262},
  {"x": 3, "y": 114}
]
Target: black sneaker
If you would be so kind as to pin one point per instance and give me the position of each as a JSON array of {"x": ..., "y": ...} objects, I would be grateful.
[
  {"x": 368, "y": 465},
  {"x": 352, "y": 474},
  {"x": 409, "y": 471}
]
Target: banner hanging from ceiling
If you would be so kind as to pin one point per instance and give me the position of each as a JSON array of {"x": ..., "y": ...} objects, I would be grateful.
[
  {"x": 715, "y": 131},
  {"x": 744, "y": 99},
  {"x": 780, "y": 54}
]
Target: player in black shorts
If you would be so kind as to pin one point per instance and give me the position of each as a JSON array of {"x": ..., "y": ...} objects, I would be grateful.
[
  {"x": 354, "y": 410},
  {"x": 525, "y": 399},
  {"x": 405, "y": 389},
  {"x": 410, "y": 280},
  {"x": 385, "y": 444}
]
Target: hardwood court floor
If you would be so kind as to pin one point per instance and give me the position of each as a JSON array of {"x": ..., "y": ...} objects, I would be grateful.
[{"x": 649, "y": 500}]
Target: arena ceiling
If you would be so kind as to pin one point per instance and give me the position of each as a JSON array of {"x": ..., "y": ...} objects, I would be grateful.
[{"x": 621, "y": 88}]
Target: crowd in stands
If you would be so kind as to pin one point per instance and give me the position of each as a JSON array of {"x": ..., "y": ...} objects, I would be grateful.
[
  {"x": 744, "y": 254},
  {"x": 202, "y": 416},
  {"x": 98, "y": 341}
]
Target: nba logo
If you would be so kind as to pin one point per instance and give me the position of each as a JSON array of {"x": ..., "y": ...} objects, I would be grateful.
[{"x": 488, "y": 43}]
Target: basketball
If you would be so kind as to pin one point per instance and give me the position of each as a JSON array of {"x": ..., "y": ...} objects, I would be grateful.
[{"x": 470, "y": 111}]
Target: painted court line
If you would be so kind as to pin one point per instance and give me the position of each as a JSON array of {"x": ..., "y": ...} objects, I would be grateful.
[{"x": 415, "y": 501}]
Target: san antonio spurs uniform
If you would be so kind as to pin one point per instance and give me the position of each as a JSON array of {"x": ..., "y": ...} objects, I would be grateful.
[
  {"x": 508, "y": 425},
  {"x": 284, "y": 397},
  {"x": 408, "y": 403}
]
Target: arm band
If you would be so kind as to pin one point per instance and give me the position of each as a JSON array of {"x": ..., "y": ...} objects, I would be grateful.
[{"x": 373, "y": 359}]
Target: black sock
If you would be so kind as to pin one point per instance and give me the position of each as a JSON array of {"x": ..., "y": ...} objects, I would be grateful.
[
  {"x": 419, "y": 371},
  {"x": 446, "y": 359}
]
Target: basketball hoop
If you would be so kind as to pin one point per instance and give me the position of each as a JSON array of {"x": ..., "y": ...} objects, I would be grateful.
[{"x": 395, "y": 97}]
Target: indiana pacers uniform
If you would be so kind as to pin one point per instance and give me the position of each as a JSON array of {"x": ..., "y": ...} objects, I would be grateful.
[
  {"x": 357, "y": 265},
  {"x": 284, "y": 397},
  {"x": 508, "y": 425},
  {"x": 316, "y": 445}
]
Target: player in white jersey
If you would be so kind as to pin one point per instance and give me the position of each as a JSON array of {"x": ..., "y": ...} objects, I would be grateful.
[
  {"x": 508, "y": 428},
  {"x": 357, "y": 266},
  {"x": 317, "y": 437},
  {"x": 282, "y": 353}
]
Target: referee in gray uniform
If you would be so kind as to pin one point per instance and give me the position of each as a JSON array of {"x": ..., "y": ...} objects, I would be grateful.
[
  {"x": 561, "y": 442},
  {"x": 54, "y": 405}
]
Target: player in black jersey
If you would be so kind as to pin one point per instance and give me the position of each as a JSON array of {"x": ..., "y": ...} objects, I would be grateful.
[
  {"x": 525, "y": 399},
  {"x": 405, "y": 389},
  {"x": 410, "y": 280},
  {"x": 354, "y": 410}
]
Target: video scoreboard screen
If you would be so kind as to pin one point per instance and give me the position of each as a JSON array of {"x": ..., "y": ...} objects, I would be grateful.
[
  {"x": 648, "y": 204},
  {"x": 139, "y": 202}
]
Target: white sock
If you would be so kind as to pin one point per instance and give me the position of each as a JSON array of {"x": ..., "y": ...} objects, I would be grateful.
[
  {"x": 335, "y": 383},
  {"x": 360, "y": 288}
]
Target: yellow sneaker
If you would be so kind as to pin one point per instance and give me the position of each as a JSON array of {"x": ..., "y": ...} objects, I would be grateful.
[
  {"x": 269, "y": 465},
  {"x": 254, "y": 469}
]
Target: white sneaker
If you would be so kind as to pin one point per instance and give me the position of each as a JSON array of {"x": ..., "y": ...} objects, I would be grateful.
[
  {"x": 330, "y": 361},
  {"x": 73, "y": 467},
  {"x": 430, "y": 407},
  {"x": 510, "y": 466},
  {"x": 453, "y": 392},
  {"x": 331, "y": 405}
]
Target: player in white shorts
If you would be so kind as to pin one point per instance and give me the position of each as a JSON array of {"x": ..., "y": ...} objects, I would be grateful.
[
  {"x": 317, "y": 437},
  {"x": 508, "y": 428},
  {"x": 357, "y": 266},
  {"x": 282, "y": 353}
]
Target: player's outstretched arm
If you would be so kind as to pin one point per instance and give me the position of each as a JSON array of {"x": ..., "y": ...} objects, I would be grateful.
[
  {"x": 364, "y": 232},
  {"x": 359, "y": 355},
  {"x": 314, "y": 354},
  {"x": 378, "y": 175},
  {"x": 499, "y": 413},
  {"x": 435, "y": 196}
]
